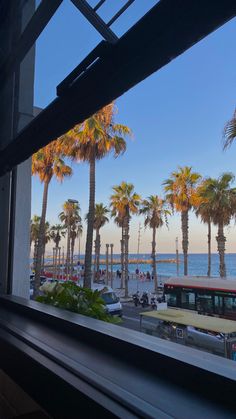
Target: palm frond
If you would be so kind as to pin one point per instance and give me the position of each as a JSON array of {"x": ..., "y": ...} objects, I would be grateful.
[{"x": 229, "y": 133}]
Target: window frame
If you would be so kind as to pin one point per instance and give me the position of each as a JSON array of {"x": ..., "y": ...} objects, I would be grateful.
[{"x": 185, "y": 373}]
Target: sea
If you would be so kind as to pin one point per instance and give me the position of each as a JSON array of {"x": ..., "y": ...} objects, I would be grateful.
[{"x": 197, "y": 264}]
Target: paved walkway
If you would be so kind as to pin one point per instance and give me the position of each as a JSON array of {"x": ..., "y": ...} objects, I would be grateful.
[{"x": 134, "y": 285}]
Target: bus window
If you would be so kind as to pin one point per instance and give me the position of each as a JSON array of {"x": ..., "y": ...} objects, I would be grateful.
[
  {"x": 218, "y": 301},
  {"x": 171, "y": 300},
  {"x": 188, "y": 300},
  {"x": 230, "y": 305},
  {"x": 204, "y": 303}
]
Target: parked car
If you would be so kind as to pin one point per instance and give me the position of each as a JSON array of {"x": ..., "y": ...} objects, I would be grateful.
[{"x": 112, "y": 301}]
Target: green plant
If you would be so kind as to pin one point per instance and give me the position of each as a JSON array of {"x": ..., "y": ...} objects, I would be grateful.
[{"x": 70, "y": 296}]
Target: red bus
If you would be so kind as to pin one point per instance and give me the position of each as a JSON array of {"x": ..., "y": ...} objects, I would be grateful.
[{"x": 215, "y": 297}]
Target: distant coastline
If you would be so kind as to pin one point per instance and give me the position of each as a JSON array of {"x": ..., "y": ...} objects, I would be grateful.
[{"x": 197, "y": 263}]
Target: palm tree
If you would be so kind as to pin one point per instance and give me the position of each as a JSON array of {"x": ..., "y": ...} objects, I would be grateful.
[
  {"x": 34, "y": 234},
  {"x": 124, "y": 203},
  {"x": 222, "y": 199},
  {"x": 46, "y": 163},
  {"x": 229, "y": 134},
  {"x": 204, "y": 211},
  {"x": 100, "y": 219},
  {"x": 181, "y": 193},
  {"x": 92, "y": 140},
  {"x": 57, "y": 232},
  {"x": 70, "y": 216},
  {"x": 155, "y": 212}
]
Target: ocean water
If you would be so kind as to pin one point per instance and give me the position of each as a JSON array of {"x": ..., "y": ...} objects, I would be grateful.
[{"x": 197, "y": 264}]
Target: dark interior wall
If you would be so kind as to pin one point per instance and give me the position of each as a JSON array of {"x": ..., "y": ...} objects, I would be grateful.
[{"x": 16, "y": 111}]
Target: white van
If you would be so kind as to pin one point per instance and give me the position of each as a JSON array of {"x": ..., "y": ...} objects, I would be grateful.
[{"x": 113, "y": 304}]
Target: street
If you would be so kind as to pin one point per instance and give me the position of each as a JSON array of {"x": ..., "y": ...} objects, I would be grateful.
[{"x": 130, "y": 319}]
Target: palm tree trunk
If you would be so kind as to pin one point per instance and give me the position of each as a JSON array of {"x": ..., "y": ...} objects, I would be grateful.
[
  {"x": 43, "y": 258},
  {"x": 154, "y": 266},
  {"x": 35, "y": 252},
  {"x": 122, "y": 257},
  {"x": 68, "y": 251},
  {"x": 89, "y": 238},
  {"x": 72, "y": 255},
  {"x": 184, "y": 222},
  {"x": 98, "y": 251},
  {"x": 126, "y": 253},
  {"x": 41, "y": 238},
  {"x": 221, "y": 249},
  {"x": 209, "y": 249}
]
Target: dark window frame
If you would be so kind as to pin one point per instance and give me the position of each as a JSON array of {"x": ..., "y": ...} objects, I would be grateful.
[{"x": 187, "y": 377}]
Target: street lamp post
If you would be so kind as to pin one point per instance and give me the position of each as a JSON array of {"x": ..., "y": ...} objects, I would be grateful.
[
  {"x": 107, "y": 262},
  {"x": 54, "y": 262},
  {"x": 63, "y": 261},
  {"x": 58, "y": 262},
  {"x": 111, "y": 245},
  {"x": 177, "y": 255}
]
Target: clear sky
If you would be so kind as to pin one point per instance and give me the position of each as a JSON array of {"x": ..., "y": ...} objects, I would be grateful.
[{"x": 177, "y": 116}]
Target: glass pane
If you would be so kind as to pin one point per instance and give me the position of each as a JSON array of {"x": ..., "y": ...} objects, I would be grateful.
[
  {"x": 204, "y": 303},
  {"x": 230, "y": 305},
  {"x": 218, "y": 304},
  {"x": 188, "y": 300},
  {"x": 171, "y": 300}
]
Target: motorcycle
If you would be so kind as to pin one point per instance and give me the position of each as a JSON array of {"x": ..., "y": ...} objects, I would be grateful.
[
  {"x": 153, "y": 303},
  {"x": 144, "y": 299},
  {"x": 136, "y": 299}
]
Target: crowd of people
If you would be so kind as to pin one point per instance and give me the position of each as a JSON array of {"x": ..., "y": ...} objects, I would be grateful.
[{"x": 142, "y": 276}]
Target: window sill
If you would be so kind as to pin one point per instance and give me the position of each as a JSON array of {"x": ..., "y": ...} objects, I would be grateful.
[{"x": 114, "y": 370}]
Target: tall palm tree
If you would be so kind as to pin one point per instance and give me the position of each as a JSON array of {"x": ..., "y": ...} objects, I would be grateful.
[
  {"x": 92, "y": 140},
  {"x": 100, "y": 219},
  {"x": 57, "y": 232},
  {"x": 181, "y": 193},
  {"x": 34, "y": 234},
  {"x": 125, "y": 202},
  {"x": 70, "y": 216},
  {"x": 46, "y": 163},
  {"x": 204, "y": 211},
  {"x": 229, "y": 134},
  {"x": 222, "y": 199},
  {"x": 155, "y": 211}
]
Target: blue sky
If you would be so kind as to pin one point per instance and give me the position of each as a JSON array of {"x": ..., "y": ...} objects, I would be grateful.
[{"x": 177, "y": 116}]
